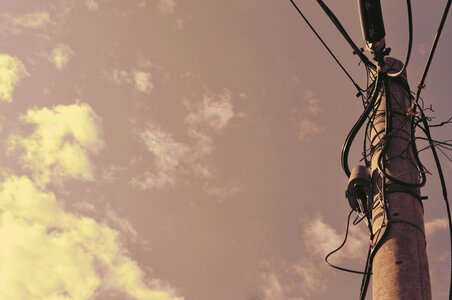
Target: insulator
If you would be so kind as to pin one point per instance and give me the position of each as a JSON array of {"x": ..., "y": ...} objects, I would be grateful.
[{"x": 359, "y": 190}]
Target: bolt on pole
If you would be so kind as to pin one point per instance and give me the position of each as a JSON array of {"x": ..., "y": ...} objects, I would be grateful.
[{"x": 400, "y": 264}]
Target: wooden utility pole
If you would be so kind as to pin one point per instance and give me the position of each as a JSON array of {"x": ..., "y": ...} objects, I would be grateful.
[{"x": 400, "y": 265}]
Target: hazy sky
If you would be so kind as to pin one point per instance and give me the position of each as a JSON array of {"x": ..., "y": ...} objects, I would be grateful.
[{"x": 169, "y": 149}]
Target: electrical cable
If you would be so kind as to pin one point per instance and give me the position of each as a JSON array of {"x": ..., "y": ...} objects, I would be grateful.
[
  {"x": 428, "y": 134},
  {"x": 410, "y": 40},
  {"x": 432, "y": 50},
  {"x": 369, "y": 104},
  {"x": 443, "y": 187},
  {"x": 360, "y": 90},
  {"x": 340, "y": 247},
  {"x": 344, "y": 33},
  {"x": 352, "y": 134},
  {"x": 388, "y": 127},
  {"x": 414, "y": 150}
]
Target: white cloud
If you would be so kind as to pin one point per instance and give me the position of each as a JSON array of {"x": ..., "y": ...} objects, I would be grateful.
[
  {"x": 60, "y": 146},
  {"x": 314, "y": 107},
  {"x": 61, "y": 55},
  {"x": 320, "y": 238},
  {"x": 92, "y": 5},
  {"x": 121, "y": 223},
  {"x": 436, "y": 225},
  {"x": 311, "y": 277},
  {"x": 35, "y": 20},
  {"x": 68, "y": 256},
  {"x": 308, "y": 128},
  {"x": 215, "y": 112},
  {"x": 272, "y": 289},
  {"x": 143, "y": 82},
  {"x": 207, "y": 118},
  {"x": 140, "y": 80},
  {"x": 278, "y": 287},
  {"x": 222, "y": 191},
  {"x": 168, "y": 154},
  {"x": 167, "y": 7},
  {"x": 12, "y": 71}
]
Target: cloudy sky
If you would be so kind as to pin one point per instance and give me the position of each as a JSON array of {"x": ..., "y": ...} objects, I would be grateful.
[{"x": 169, "y": 149}]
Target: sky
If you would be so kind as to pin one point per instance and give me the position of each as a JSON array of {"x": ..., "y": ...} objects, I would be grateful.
[{"x": 169, "y": 149}]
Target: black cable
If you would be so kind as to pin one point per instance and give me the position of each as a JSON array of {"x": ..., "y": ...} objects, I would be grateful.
[
  {"x": 413, "y": 146},
  {"x": 428, "y": 134},
  {"x": 344, "y": 33},
  {"x": 432, "y": 50},
  {"x": 388, "y": 127},
  {"x": 352, "y": 134},
  {"x": 360, "y": 90},
  {"x": 443, "y": 187},
  {"x": 340, "y": 247},
  {"x": 410, "y": 40}
]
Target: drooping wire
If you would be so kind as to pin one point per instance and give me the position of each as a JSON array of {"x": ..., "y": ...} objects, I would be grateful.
[
  {"x": 410, "y": 40},
  {"x": 340, "y": 247},
  {"x": 360, "y": 90},
  {"x": 428, "y": 134},
  {"x": 421, "y": 84}
]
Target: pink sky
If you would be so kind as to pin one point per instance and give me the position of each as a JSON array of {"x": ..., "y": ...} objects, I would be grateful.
[{"x": 173, "y": 149}]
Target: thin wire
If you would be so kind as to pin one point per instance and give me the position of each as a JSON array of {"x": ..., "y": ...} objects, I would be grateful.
[
  {"x": 340, "y": 247},
  {"x": 360, "y": 90},
  {"x": 432, "y": 53},
  {"x": 352, "y": 134},
  {"x": 410, "y": 40},
  {"x": 428, "y": 134},
  {"x": 344, "y": 33}
]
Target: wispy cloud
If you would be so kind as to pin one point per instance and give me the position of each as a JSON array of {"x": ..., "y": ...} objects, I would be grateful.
[
  {"x": 312, "y": 103},
  {"x": 92, "y": 5},
  {"x": 168, "y": 154},
  {"x": 308, "y": 128},
  {"x": 272, "y": 288},
  {"x": 61, "y": 55},
  {"x": 167, "y": 7},
  {"x": 60, "y": 146},
  {"x": 436, "y": 225},
  {"x": 321, "y": 238},
  {"x": 26, "y": 22},
  {"x": 142, "y": 81},
  {"x": 12, "y": 71},
  {"x": 308, "y": 275},
  {"x": 215, "y": 111},
  {"x": 121, "y": 223},
  {"x": 206, "y": 118},
  {"x": 311, "y": 109},
  {"x": 279, "y": 286},
  {"x": 36, "y": 20}
]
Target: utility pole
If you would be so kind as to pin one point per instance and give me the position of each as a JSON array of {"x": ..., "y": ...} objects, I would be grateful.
[
  {"x": 386, "y": 191},
  {"x": 400, "y": 265}
]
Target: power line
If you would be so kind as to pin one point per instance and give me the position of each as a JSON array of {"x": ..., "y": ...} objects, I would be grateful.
[{"x": 360, "y": 90}]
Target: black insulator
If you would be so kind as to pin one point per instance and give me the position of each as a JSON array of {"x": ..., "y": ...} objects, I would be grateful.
[{"x": 371, "y": 20}]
